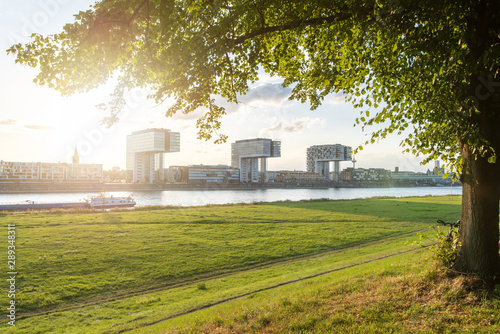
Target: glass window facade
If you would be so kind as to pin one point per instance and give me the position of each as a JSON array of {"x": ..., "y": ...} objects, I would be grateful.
[
  {"x": 318, "y": 156},
  {"x": 145, "y": 150},
  {"x": 246, "y": 153},
  {"x": 213, "y": 174}
]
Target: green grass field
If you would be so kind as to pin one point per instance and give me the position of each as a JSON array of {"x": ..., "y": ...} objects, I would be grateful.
[
  {"x": 101, "y": 272},
  {"x": 394, "y": 295}
]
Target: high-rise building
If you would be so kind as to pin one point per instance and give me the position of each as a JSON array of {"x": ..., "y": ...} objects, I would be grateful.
[
  {"x": 145, "y": 152},
  {"x": 245, "y": 155},
  {"x": 319, "y": 157}
]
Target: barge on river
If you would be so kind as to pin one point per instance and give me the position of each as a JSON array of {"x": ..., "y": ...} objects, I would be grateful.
[{"x": 97, "y": 202}]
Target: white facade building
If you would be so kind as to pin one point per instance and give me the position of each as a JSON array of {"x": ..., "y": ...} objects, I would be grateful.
[
  {"x": 145, "y": 152},
  {"x": 362, "y": 174},
  {"x": 245, "y": 155},
  {"x": 48, "y": 171}
]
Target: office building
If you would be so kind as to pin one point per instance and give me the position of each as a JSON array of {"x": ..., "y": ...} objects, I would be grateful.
[
  {"x": 245, "y": 155},
  {"x": 202, "y": 174},
  {"x": 176, "y": 174},
  {"x": 145, "y": 153},
  {"x": 319, "y": 157},
  {"x": 299, "y": 177},
  {"x": 366, "y": 175}
]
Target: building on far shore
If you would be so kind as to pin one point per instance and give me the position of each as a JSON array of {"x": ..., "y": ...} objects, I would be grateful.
[
  {"x": 202, "y": 174},
  {"x": 50, "y": 171},
  {"x": 409, "y": 179},
  {"x": 300, "y": 177},
  {"x": 365, "y": 175},
  {"x": 319, "y": 157},
  {"x": 245, "y": 155},
  {"x": 176, "y": 174},
  {"x": 397, "y": 178},
  {"x": 145, "y": 153}
]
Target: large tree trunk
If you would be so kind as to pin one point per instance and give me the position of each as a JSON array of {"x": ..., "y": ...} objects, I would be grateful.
[
  {"x": 478, "y": 253},
  {"x": 479, "y": 230}
]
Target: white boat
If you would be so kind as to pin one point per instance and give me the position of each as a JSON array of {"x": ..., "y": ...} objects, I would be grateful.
[{"x": 102, "y": 202}]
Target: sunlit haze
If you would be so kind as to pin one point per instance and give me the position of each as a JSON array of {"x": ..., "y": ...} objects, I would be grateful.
[{"x": 37, "y": 124}]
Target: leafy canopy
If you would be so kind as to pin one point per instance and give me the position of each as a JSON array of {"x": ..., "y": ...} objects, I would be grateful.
[{"x": 411, "y": 63}]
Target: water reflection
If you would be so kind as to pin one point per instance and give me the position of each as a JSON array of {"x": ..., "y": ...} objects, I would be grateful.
[{"x": 191, "y": 198}]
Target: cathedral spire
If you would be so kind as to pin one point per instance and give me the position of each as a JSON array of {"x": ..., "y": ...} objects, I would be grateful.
[{"x": 76, "y": 158}]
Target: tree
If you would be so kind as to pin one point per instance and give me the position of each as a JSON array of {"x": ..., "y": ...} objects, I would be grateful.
[{"x": 428, "y": 67}]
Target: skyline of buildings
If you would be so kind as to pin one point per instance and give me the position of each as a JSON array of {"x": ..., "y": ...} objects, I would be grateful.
[
  {"x": 146, "y": 164},
  {"x": 51, "y": 171}
]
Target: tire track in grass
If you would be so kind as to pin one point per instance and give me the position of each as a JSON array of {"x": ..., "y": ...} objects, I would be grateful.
[
  {"x": 246, "y": 294},
  {"x": 203, "y": 277}
]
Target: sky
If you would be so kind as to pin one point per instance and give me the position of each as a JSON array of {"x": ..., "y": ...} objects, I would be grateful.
[{"x": 37, "y": 124}]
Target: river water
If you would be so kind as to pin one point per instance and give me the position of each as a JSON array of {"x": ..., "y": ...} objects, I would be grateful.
[{"x": 193, "y": 197}]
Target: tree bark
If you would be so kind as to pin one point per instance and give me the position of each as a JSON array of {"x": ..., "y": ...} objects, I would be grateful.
[
  {"x": 478, "y": 235},
  {"x": 479, "y": 229}
]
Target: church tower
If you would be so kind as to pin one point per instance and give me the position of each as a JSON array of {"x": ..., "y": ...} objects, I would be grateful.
[{"x": 76, "y": 158}]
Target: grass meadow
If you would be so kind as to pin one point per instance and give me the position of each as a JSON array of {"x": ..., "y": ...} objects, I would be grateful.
[{"x": 165, "y": 269}]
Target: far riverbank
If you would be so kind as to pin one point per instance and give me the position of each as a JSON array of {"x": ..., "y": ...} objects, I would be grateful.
[{"x": 62, "y": 187}]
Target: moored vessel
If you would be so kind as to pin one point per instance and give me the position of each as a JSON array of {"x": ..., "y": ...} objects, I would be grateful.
[
  {"x": 103, "y": 202},
  {"x": 96, "y": 202}
]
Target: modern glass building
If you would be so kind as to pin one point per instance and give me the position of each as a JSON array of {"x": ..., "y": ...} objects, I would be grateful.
[
  {"x": 319, "y": 157},
  {"x": 145, "y": 152},
  {"x": 176, "y": 174},
  {"x": 245, "y": 155},
  {"x": 202, "y": 174}
]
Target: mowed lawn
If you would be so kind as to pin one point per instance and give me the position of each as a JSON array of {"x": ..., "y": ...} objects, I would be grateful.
[{"x": 69, "y": 257}]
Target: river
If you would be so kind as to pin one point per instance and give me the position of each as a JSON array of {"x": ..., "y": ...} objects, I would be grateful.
[{"x": 206, "y": 197}]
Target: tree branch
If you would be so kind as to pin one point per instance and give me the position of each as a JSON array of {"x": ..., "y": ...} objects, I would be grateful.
[
  {"x": 292, "y": 25},
  {"x": 232, "y": 77}
]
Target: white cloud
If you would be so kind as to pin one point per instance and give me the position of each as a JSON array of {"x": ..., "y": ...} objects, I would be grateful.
[
  {"x": 14, "y": 126},
  {"x": 38, "y": 127},
  {"x": 337, "y": 98},
  {"x": 265, "y": 94},
  {"x": 190, "y": 116},
  {"x": 272, "y": 93},
  {"x": 297, "y": 125}
]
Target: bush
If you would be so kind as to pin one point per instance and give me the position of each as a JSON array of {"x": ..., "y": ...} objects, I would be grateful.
[
  {"x": 444, "y": 250},
  {"x": 446, "y": 247}
]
